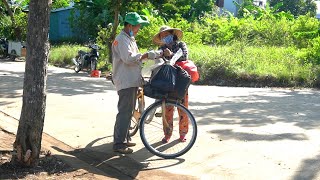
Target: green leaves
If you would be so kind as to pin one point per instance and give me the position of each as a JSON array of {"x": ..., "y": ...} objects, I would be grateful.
[{"x": 295, "y": 7}]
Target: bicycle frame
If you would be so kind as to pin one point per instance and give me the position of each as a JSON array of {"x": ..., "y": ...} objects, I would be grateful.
[
  {"x": 163, "y": 109},
  {"x": 141, "y": 104}
]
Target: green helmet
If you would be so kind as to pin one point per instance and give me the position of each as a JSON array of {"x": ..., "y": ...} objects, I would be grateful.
[{"x": 134, "y": 19}]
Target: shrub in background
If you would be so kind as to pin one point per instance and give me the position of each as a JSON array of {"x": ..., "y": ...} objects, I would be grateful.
[{"x": 304, "y": 29}]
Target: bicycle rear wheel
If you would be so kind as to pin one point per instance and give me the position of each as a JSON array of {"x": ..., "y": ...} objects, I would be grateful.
[{"x": 151, "y": 132}]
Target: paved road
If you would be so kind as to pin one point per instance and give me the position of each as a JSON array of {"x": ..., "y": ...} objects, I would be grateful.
[{"x": 244, "y": 133}]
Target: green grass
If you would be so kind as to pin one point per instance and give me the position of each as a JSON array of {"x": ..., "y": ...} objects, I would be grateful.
[
  {"x": 246, "y": 63},
  {"x": 61, "y": 55}
]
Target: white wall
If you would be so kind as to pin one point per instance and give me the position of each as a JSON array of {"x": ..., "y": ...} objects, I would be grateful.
[
  {"x": 262, "y": 2},
  {"x": 231, "y": 7},
  {"x": 318, "y": 9}
]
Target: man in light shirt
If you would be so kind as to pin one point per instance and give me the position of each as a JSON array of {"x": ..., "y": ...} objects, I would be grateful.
[{"x": 127, "y": 62}]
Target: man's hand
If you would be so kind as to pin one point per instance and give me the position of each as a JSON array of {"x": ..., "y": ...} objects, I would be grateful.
[
  {"x": 152, "y": 54},
  {"x": 144, "y": 56}
]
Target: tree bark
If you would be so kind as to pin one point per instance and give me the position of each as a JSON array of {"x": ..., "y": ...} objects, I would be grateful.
[
  {"x": 116, "y": 7},
  {"x": 29, "y": 134}
]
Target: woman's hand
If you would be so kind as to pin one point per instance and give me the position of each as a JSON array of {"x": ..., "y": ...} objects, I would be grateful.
[{"x": 167, "y": 52}]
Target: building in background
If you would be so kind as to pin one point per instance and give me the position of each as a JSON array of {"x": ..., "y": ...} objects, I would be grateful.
[
  {"x": 260, "y": 3},
  {"x": 318, "y": 10},
  {"x": 229, "y": 5},
  {"x": 60, "y": 28}
]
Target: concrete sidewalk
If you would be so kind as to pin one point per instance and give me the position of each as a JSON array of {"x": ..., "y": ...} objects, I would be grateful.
[{"x": 244, "y": 133}]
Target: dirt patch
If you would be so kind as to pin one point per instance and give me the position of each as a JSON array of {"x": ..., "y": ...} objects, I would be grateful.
[{"x": 49, "y": 166}]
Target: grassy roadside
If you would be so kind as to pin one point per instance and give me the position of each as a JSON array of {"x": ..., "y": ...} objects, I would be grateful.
[
  {"x": 241, "y": 65},
  {"x": 231, "y": 65},
  {"x": 61, "y": 55}
]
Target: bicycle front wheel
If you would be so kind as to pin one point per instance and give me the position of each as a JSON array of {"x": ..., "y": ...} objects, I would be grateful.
[{"x": 152, "y": 130}]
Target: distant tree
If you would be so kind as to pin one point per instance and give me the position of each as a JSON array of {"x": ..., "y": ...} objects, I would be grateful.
[
  {"x": 89, "y": 15},
  {"x": 188, "y": 9},
  {"x": 296, "y": 7},
  {"x": 55, "y": 4},
  {"x": 116, "y": 10},
  {"x": 200, "y": 8},
  {"x": 60, "y": 3},
  {"x": 29, "y": 134},
  {"x": 16, "y": 10},
  {"x": 244, "y": 7},
  {"x": 10, "y": 13}
]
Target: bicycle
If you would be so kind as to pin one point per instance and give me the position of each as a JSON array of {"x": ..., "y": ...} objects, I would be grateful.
[{"x": 153, "y": 122}]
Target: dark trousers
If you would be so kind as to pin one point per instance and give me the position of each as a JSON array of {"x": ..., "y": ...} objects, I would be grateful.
[{"x": 126, "y": 104}]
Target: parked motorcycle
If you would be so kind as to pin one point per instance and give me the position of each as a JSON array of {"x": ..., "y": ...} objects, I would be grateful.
[
  {"x": 4, "y": 44},
  {"x": 86, "y": 60}
]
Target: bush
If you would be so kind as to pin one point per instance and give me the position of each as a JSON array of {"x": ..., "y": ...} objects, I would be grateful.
[
  {"x": 269, "y": 29},
  {"x": 304, "y": 29},
  {"x": 311, "y": 54}
]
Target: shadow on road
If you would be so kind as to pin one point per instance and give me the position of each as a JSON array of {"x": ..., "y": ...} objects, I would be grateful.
[
  {"x": 295, "y": 107},
  {"x": 274, "y": 116},
  {"x": 120, "y": 166},
  {"x": 59, "y": 81},
  {"x": 309, "y": 169}
]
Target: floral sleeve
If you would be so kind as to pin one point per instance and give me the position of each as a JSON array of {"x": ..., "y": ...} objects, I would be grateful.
[
  {"x": 176, "y": 47},
  {"x": 184, "y": 48}
]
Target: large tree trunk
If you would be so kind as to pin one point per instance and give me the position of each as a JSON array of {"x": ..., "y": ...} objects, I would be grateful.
[{"x": 28, "y": 140}]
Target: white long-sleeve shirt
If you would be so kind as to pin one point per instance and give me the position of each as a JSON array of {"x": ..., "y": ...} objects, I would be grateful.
[{"x": 126, "y": 65}]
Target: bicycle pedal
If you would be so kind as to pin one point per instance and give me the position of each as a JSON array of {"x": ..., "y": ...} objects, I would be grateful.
[{"x": 158, "y": 114}]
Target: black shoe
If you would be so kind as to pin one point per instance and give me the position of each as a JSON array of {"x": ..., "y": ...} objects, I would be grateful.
[
  {"x": 130, "y": 144},
  {"x": 125, "y": 150}
]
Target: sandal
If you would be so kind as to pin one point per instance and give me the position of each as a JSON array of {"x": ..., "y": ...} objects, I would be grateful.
[
  {"x": 182, "y": 139},
  {"x": 165, "y": 139}
]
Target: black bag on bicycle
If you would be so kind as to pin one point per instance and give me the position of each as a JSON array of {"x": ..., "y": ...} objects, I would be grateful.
[
  {"x": 183, "y": 81},
  {"x": 164, "y": 79},
  {"x": 153, "y": 92}
]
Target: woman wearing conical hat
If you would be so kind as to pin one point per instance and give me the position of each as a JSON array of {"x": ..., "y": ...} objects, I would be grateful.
[{"x": 169, "y": 40}]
